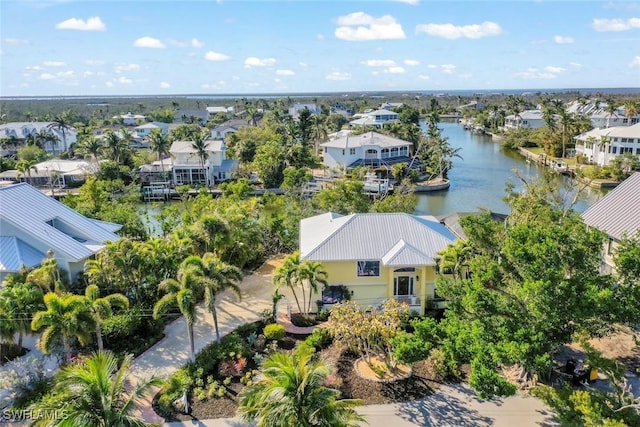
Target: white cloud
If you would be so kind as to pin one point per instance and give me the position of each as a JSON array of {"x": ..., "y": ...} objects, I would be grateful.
[
  {"x": 94, "y": 62},
  {"x": 285, "y": 72},
  {"x": 60, "y": 75},
  {"x": 303, "y": 64},
  {"x": 563, "y": 39},
  {"x": 448, "y": 68},
  {"x": 149, "y": 42},
  {"x": 615, "y": 24},
  {"x": 337, "y": 75},
  {"x": 216, "y": 56},
  {"x": 359, "y": 26},
  {"x": 88, "y": 74},
  {"x": 411, "y": 62},
  {"x": 424, "y": 77},
  {"x": 395, "y": 70},
  {"x": 575, "y": 64},
  {"x": 15, "y": 42},
  {"x": 635, "y": 62},
  {"x": 94, "y": 23},
  {"x": 33, "y": 68},
  {"x": 119, "y": 69},
  {"x": 379, "y": 62},
  {"x": 189, "y": 43},
  {"x": 320, "y": 36},
  {"x": 546, "y": 73},
  {"x": 53, "y": 64},
  {"x": 252, "y": 61},
  {"x": 109, "y": 84},
  {"x": 411, "y": 2},
  {"x": 47, "y": 76},
  {"x": 123, "y": 80},
  {"x": 432, "y": 66},
  {"x": 165, "y": 85},
  {"x": 450, "y": 31}
]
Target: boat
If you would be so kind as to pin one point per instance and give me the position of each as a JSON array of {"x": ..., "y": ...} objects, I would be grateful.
[
  {"x": 373, "y": 184},
  {"x": 437, "y": 184}
]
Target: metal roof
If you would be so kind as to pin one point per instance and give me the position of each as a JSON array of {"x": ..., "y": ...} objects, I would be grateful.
[
  {"x": 618, "y": 212},
  {"x": 393, "y": 238},
  {"x": 366, "y": 139},
  {"x": 49, "y": 223},
  {"x": 612, "y": 132},
  {"x": 211, "y": 145},
  {"x": 15, "y": 253}
]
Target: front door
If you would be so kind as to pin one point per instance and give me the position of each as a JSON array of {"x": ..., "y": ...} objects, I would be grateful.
[{"x": 403, "y": 286}]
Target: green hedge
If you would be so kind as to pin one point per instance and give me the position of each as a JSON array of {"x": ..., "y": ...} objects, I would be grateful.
[{"x": 131, "y": 332}]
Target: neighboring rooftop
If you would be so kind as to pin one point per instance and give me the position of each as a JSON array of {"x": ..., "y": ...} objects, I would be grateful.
[
  {"x": 618, "y": 212},
  {"x": 366, "y": 139}
]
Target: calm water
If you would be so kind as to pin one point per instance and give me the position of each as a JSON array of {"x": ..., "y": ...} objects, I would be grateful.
[{"x": 478, "y": 179}]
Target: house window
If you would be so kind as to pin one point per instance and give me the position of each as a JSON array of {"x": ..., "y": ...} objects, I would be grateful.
[
  {"x": 404, "y": 151},
  {"x": 352, "y": 151},
  {"x": 394, "y": 152},
  {"x": 614, "y": 150},
  {"x": 610, "y": 247},
  {"x": 325, "y": 149},
  {"x": 368, "y": 268},
  {"x": 343, "y": 152},
  {"x": 384, "y": 153}
]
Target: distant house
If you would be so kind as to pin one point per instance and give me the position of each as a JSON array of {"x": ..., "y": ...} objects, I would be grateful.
[
  {"x": 200, "y": 117},
  {"x": 367, "y": 149},
  {"x": 16, "y": 134},
  {"x": 600, "y": 117},
  {"x": 54, "y": 173},
  {"x": 378, "y": 256},
  {"x": 375, "y": 118},
  {"x": 528, "y": 119},
  {"x": 130, "y": 119},
  {"x": 295, "y": 109},
  {"x": 33, "y": 224},
  {"x": 390, "y": 105},
  {"x": 213, "y": 111},
  {"x": 222, "y": 131},
  {"x": 143, "y": 131},
  {"x": 617, "y": 214},
  {"x": 187, "y": 167},
  {"x": 600, "y": 146}
]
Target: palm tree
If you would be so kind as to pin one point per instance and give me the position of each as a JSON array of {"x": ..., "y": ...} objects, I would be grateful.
[
  {"x": 21, "y": 301},
  {"x": 199, "y": 143},
  {"x": 566, "y": 121},
  {"x": 286, "y": 275},
  {"x": 455, "y": 258},
  {"x": 211, "y": 231},
  {"x": 183, "y": 293},
  {"x": 91, "y": 146},
  {"x": 62, "y": 123},
  {"x": 217, "y": 276},
  {"x": 160, "y": 145},
  {"x": 95, "y": 393},
  {"x": 25, "y": 167},
  {"x": 610, "y": 109},
  {"x": 290, "y": 392},
  {"x": 66, "y": 316},
  {"x": 314, "y": 274},
  {"x": 115, "y": 145},
  {"x": 102, "y": 308},
  {"x": 631, "y": 109}
]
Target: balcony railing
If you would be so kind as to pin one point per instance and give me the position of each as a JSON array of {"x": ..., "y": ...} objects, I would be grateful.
[{"x": 407, "y": 299}]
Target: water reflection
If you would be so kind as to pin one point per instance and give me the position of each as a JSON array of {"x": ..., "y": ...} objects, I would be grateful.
[{"x": 479, "y": 179}]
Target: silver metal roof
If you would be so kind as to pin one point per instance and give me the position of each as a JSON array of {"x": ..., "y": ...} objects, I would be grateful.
[
  {"x": 618, "y": 212},
  {"x": 393, "y": 238},
  {"x": 43, "y": 222},
  {"x": 15, "y": 253}
]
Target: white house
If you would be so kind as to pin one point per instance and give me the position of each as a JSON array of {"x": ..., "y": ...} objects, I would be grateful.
[
  {"x": 222, "y": 131},
  {"x": 600, "y": 117},
  {"x": 367, "y": 149},
  {"x": 616, "y": 214},
  {"x": 295, "y": 109},
  {"x": 213, "y": 111},
  {"x": 375, "y": 118},
  {"x": 187, "y": 165},
  {"x": 600, "y": 146},
  {"x": 130, "y": 119},
  {"x": 33, "y": 224},
  {"x": 529, "y": 119},
  {"x": 54, "y": 173},
  {"x": 143, "y": 131},
  {"x": 53, "y": 142}
]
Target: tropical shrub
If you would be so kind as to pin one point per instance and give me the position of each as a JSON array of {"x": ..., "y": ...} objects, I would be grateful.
[
  {"x": 319, "y": 339},
  {"x": 274, "y": 331}
]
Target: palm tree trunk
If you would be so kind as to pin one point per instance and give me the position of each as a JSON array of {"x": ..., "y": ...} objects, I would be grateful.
[
  {"x": 304, "y": 299},
  {"x": 295, "y": 296},
  {"x": 20, "y": 340},
  {"x": 192, "y": 349},
  {"x": 67, "y": 349},
  {"x": 214, "y": 314},
  {"x": 99, "y": 336}
]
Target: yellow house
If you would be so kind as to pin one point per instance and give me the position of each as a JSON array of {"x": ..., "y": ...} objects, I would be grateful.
[{"x": 378, "y": 256}]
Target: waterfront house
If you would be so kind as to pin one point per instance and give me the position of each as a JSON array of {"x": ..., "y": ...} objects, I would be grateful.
[
  {"x": 130, "y": 119},
  {"x": 601, "y": 145},
  {"x": 528, "y": 119},
  {"x": 187, "y": 167},
  {"x": 368, "y": 149},
  {"x": 16, "y": 134},
  {"x": 33, "y": 224},
  {"x": 143, "y": 131},
  {"x": 378, "y": 256},
  {"x": 375, "y": 118},
  {"x": 599, "y": 116},
  {"x": 54, "y": 173},
  {"x": 617, "y": 215}
]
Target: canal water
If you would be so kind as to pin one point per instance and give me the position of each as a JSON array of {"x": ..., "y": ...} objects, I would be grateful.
[{"x": 478, "y": 180}]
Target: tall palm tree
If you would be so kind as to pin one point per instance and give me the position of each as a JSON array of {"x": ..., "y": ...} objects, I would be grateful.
[
  {"x": 114, "y": 145},
  {"x": 66, "y": 316},
  {"x": 566, "y": 121},
  {"x": 182, "y": 293},
  {"x": 610, "y": 109},
  {"x": 313, "y": 274},
  {"x": 631, "y": 109},
  {"x": 291, "y": 392},
  {"x": 101, "y": 308},
  {"x": 199, "y": 143},
  {"x": 91, "y": 146},
  {"x": 286, "y": 275},
  {"x": 25, "y": 167},
  {"x": 95, "y": 393},
  {"x": 160, "y": 145},
  {"x": 62, "y": 123},
  {"x": 217, "y": 276}
]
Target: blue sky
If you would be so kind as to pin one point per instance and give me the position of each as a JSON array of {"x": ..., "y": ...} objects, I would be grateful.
[{"x": 65, "y": 47}]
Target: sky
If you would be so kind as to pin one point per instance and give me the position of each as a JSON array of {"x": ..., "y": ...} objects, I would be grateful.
[{"x": 118, "y": 47}]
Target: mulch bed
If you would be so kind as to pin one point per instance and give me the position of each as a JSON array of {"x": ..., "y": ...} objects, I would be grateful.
[{"x": 350, "y": 384}]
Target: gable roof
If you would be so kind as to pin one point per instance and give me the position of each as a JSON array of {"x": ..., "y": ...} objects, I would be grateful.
[
  {"x": 611, "y": 132},
  {"x": 366, "y": 139},
  {"x": 395, "y": 239},
  {"x": 617, "y": 213},
  {"x": 187, "y": 146},
  {"x": 52, "y": 225},
  {"x": 15, "y": 253}
]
